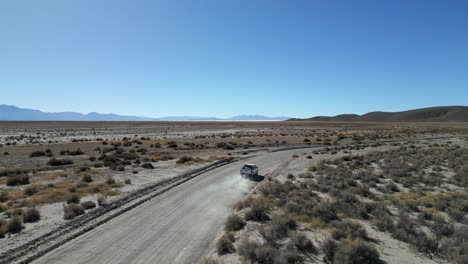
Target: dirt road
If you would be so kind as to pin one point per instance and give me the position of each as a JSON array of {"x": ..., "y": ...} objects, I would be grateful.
[{"x": 176, "y": 227}]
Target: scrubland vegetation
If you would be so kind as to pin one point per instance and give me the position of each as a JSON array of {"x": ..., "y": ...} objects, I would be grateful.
[{"x": 416, "y": 194}]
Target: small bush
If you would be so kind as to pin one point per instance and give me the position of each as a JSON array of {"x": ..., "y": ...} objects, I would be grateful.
[
  {"x": 147, "y": 165},
  {"x": 88, "y": 205},
  {"x": 257, "y": 213},
  {"x": 290, "y": 255},
  {"x": 3, "y": 196},
  {"x": 110, "y": 180},
  {"x": 184, "y": 159},
  {"x": 128, "y": 181},
  {"x": 234, "y": 223},
  {"x": 2, "y": 225},
  {"x": 59, "y": 162},
  {"x": 246, "y": 249},
  {"x": 14, "y": 225},
  {"x": 30, "y": 190},
  {"x": 329, "y": 248},
  {"x": 102, "y": 201},
  {"x": 172, "y": 144},
  {"x": 301, "y": 242},
  {"x": 266, "y": 254},
  {"x": 225, "y": 245},
  {"x": 38, "y": 153},
  {"x": 325, "y": 211},
  {"x": 15, "y": 180},
  {"x": 76, "y": 152},
  {"x": 279, "y": 227},
  {"x": 348, "y": 229},
  {"x": 72, "y": 210},
  {"x": 356, "y": 252},
  {"x": 31, "y": 215},
  {"x": 87, "y": 178},
  {"x": 73, "y": 199}
]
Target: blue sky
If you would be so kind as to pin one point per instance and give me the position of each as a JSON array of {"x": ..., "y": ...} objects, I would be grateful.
[{"x": 223, "y": 58}]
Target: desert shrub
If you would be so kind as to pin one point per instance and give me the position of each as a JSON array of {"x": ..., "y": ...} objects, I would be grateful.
[
  {"x": 257, "y": 213},
  {"x": 38, "y": 153},
  {"x": 348, "y": 229},
  {"x": 110, "y": 180},
  {"x": 225, "y": 244},
  {"x": 246, "y": 249},
  {"x": 72, "y": 210},
  {"x": 31, "y": 215},
  {"x": 253, "y": 252},
  {"x": 2, "y": 227},
  {"x": 147, "y": 165},
  {"x": 244, "y": 203},
  {"x": 329, "y": 248},
  {"x": 15, "y": 180},
  {"x": 326, "y": 211},
  {"x": 356, "y": 252},
  {"x": 14, "y": 225},
  {"x": 102, "y": 200},
  {"x": 391, "y": 186},
  {"x": 73, "y": 199},
  {"x": 408, "y": 231},
  {"x": 172, "y": 144},
  {"x": 301, "y": 242},
  {"x": 88, "y": 205},
  {"x": 87, "y": 178},
  {"x": 59, "y": 162},
  {"x": 427, "y": 245},
  {"x": 3, "y": 196},
  {"x": 266, "y": 254},
  {"x": 455, "y": 214},
  {"x": 184, "y": 159},
  {"x": 128, "y": 181},
  {"x": 76, "y": 152},
  {"x": 289, "y": 255},
  {"x": 234, "y": 223},
  {"x": 441, "y": 229},
  {"x": 383, "y": 220},
  {"x": 279, "y": 226},
  {"x": 31, "y": 190},
  {"x": 9, "y": 172}
]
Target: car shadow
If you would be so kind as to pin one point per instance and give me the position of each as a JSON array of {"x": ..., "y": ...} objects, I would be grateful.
[{"x": 256, "y": 178}]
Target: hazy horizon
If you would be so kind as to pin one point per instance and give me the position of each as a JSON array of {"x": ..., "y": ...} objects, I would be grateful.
[{"x": 220, "y": 58}]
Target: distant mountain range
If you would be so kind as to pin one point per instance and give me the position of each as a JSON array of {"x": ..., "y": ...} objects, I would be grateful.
[
  {"x": 13, "y": 113},
  {"x": 430, "y": 114}
]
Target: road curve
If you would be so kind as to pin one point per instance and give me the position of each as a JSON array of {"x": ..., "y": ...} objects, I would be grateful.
[{"x": 176, "y": 227}]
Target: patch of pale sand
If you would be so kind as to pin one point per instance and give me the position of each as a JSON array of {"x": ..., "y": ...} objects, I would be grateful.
[
  {"x": 51, "y": 217},
  {"x": 162, "y": 170},
  {"x": 395, "y": 251}
]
